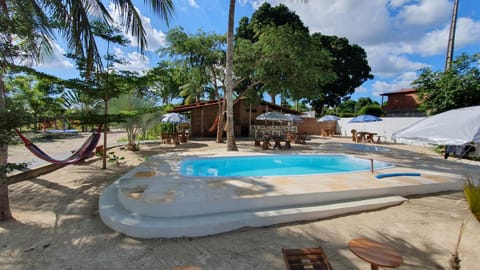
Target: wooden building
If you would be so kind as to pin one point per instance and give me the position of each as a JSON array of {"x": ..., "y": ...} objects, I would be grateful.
[
  {"x": 203, "y": 116},
  {"x": 402, "y": 103}
]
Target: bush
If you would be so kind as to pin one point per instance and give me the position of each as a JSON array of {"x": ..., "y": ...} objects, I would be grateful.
[
  {"x": 472, "y": 194},
  {"x": 372, "y": 109},
  {"x": 167, "y": 127}
]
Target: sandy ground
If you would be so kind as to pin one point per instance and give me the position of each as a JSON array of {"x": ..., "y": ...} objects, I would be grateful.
[{"x": 57, "y": 225}]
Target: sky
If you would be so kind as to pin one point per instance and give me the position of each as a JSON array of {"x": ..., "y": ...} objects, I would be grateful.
[{"x": 400, "y": 36}]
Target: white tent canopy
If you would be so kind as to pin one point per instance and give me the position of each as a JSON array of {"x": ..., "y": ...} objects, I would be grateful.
[{"x": 455, "y": 127}]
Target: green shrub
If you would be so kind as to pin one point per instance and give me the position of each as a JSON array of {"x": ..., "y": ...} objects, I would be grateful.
[
  {"x": 372, "y": 109},
  {"x": 167, "y": 127},
  {"x": 472, "y": 193}
]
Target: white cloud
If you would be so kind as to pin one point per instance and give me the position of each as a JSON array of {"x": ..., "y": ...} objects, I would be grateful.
[
  {"x": 58, "y": 60},
  {"x": 425, "y": 13},
  {"x": 155, "y": 37},
  {"x": 435, "y": 42},
  {"x": 396, "y": 34},
  {"x": 367, "y": 22},
  {"x": 467, "y": 33},
  {"x": 386, "y": 61},
  {"x": 193, "y": 3},
  {"x": 361, "y": 89},
  {"x": 136, "y": 62},
  {"x": 398, "y": 3},
  {"x": 401, "y": 82}
]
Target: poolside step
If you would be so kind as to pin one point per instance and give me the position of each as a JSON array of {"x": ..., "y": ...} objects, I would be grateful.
[{"x": 139, "y": 226}]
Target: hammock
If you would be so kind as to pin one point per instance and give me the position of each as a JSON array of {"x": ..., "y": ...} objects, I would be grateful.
[
  {"x": 82, "y": 153},
  {"x": 214, "y": 125}
]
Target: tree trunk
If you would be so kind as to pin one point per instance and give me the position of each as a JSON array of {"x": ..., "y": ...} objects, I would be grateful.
[
  {"x": 221, "y": 110},
  {"x": 105, "y": 128},
  {"x": 5, "y": 213},
  {"x": 231, "y": 146},
  {"x": 272, "y": 97}
]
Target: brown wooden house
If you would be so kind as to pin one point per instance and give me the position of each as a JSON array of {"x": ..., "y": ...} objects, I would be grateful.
[
  {"x": 203, "y": 116},
  {"x": 402, "y": 103}
]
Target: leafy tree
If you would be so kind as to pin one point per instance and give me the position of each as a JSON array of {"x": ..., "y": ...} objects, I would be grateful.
[
  {"x": 455, "y": 88},
  {"x": 28, "y": 22},
  {"x": 204, "y": 57},
  {"x": 274, "y": 47},
  {"x": 229, "y": 83},
  {"x": 350, "y": 65},
  {"x": 372, "y": 109},
  {"x": 34, "y": 97},
  {"x": 141, "y": 115},
  {"x": 348, "y": 106},
  {"x": 267, "y": 16},
  {"x": 164, "y": 81},
  {"x": 362, "y": 102}
]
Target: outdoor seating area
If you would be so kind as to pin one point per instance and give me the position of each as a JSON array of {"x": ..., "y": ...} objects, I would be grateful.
[
  {"x": 365, "y": 137},
  {"x": 280, "y": 142},
  {"x": 329, "y": 132},
  {"x": 370, "y": 251},
  {"x": 175, "y": 137},
  {"x": 279, "y": 130}
]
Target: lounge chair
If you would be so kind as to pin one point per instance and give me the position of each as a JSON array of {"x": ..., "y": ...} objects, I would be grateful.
[{"x": 306, "y": 258}]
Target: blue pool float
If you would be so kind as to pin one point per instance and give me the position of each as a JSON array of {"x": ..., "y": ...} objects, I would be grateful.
[{"x": 383, "y": 175}]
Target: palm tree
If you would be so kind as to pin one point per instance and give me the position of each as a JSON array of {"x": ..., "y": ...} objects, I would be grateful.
[{"x": 28, "y": 21}]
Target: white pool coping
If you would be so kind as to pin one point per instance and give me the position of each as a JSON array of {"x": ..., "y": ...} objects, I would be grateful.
[{"x": 153, "y": 200}]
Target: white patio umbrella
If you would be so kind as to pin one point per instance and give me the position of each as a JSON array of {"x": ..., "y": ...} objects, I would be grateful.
[
  {"x": 294, "y": 117},
  {"x": 175, "y": 118},
  {"x": 273, "y": 116},
  {"x": 454, "y": 127}
]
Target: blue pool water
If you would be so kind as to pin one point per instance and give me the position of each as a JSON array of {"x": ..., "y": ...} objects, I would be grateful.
[
  {"x": 272, "y": 165},
  {"x": 364, "y": 147}
]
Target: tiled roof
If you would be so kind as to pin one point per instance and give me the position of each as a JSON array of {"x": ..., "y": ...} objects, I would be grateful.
[{"x": 402, "y": 91}]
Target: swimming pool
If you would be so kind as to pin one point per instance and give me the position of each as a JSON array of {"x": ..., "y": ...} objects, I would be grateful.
[
  {"x": 364, "y": 147},
  {"x": 274, "y": 165}
]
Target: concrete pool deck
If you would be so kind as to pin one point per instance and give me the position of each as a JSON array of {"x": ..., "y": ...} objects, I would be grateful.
[{"x": 153, "y": 200}]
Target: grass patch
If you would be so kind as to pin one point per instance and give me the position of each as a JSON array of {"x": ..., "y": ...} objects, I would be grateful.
[{"x": 472, "y": 194}]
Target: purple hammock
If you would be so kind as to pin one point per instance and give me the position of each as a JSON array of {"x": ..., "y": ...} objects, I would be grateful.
[{"x": 82, "y": 153}]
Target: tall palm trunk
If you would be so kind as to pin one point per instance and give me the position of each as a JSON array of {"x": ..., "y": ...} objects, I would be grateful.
[
  {"x": 105, "y": 130},
  {"x": 5, "y": 213},
  {"x": 231, "y": 146},
  {"x": 220, "y": 114}
]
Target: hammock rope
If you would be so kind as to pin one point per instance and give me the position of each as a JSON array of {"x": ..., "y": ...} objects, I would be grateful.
[{"x": 82, "y": 153}]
